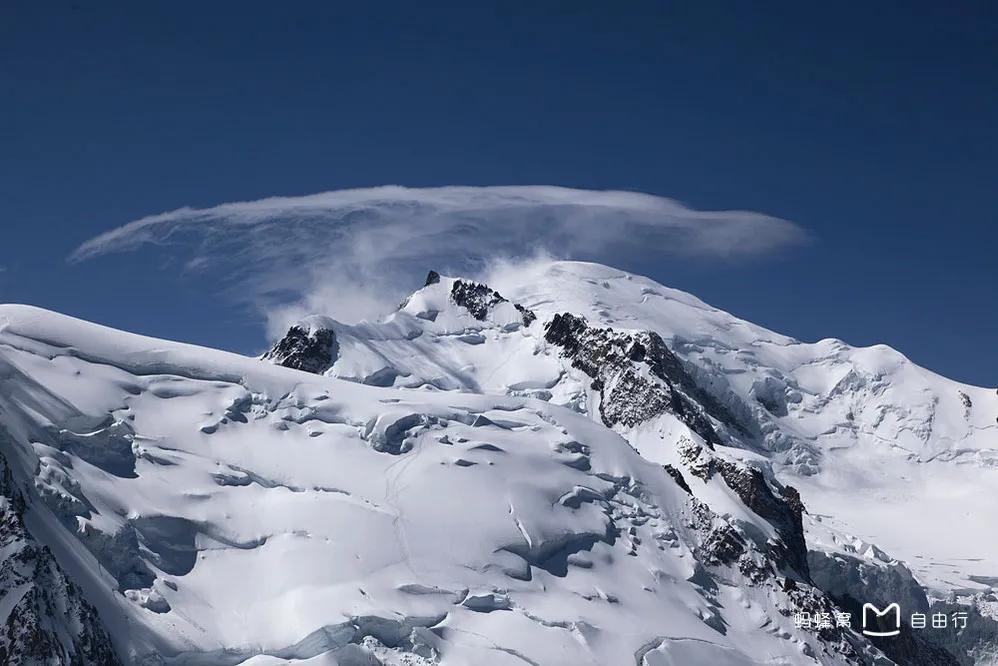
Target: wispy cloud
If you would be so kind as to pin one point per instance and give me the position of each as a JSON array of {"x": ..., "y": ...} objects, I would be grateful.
[{"x": 349, "y": 253}]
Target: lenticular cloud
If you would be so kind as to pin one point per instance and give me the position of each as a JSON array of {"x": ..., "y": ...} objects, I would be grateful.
[{"x": 346, "y": 252}]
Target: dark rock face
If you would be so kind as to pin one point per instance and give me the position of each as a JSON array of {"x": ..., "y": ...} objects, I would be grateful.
[
  {"x": 312, "y": 351},
  {"x": 639, "y": 378},
  {"x": 783, "y": 511},
  {"x": 720, "y": 541},
  {"x": 50, "y": 622},
  {"x": 677, "y": 476},
  {"x": 780, "y": 505},
  {"x": 724, "y": 544},
  {"x": 615, "y": 360},
  {"x": 432, "y": 277},
  {"x": 479, "y": 299}
]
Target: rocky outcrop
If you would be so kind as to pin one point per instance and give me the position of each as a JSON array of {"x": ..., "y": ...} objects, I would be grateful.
[
  {"x": 677, "y": 476},
  {"x": 305, "y": 348},
  {"x": 779, "y": 505},
  {"x": 783, "y": 510},
  {"x": 637, "y": 376},
  {"x": 47, "y": 621},
  {"x": 480, "y": 299}
]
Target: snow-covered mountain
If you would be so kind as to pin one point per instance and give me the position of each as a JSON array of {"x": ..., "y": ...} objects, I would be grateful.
[
  {"x": 570, "y": 465},
  {"x": 908, "y": 445}
]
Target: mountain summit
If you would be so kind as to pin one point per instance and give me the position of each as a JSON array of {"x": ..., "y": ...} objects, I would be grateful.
[{"x": 574, "y": 466}]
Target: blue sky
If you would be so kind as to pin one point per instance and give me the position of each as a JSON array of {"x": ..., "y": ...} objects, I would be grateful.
[{"x": 872, "y": 129}]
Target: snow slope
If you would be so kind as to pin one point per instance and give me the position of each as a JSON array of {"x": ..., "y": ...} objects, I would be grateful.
[
  {"x": 589, "y": 468},
  {"x": 217, "y": 509},
  {"x": 889, "y": 451},
  {"x": 880, "y": 447}
]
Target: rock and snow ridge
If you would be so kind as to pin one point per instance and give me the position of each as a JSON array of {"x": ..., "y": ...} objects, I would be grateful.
[
  {"x": 217, "y": 509},
  {"x": 462, "y": 483},
  {"x": 45, "y": 620},
  {"x": 881, "y": 447},
  {"x": 906, "y": 442}
]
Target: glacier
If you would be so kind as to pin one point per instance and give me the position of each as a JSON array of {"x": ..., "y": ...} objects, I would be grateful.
[{"x": 567, "y": 465}]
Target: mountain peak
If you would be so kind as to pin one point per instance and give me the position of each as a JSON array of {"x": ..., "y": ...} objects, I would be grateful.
[
  {"x": 480, "y": 301},
  {"x": 309, "y": 345},
  {"x": 478, "y": 471}
]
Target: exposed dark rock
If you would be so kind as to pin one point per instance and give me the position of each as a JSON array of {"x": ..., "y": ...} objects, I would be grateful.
[
  {"x": 50, "y": 622},
  {"x": 697, "y": 460},
  {"x": 723, "y": 545},
  {"x": 432, "y": 277},
  {"x": 528, "y": 315},
  {"x": 678, "y": 477},
  {"x": 479, "y": 299},
  {"x": 783, "y": 511},
  {"x": 780, "y": 505},
  {"x": 313, "y": 350},
  {"x": 475, "y": 298},
  {"x": 614, "y": 360}
]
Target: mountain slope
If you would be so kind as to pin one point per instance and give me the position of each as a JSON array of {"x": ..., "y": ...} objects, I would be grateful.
[
  {"x": 914, "y": 450},
  {"x": 883, "y": 452},
  {"x": 45, "y": 619},
  {"x": 219, "y": 509},
  {"x": 582, "y": 467}
]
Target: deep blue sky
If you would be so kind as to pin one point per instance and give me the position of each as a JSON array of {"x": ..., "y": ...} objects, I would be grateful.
[{"x": 872, "y": 125}]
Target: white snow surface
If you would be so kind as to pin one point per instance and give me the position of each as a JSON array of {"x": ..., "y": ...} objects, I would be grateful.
[
  {"x": 218, "y": 509},
  {"x": 880, "y": 447},
  {"x": 433, "y": 480}
]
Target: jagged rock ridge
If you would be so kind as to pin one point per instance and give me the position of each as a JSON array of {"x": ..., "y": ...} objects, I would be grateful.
[
  {"x": 637, "y": 376},
  {"x": 47, "y": 619},
  {"x": 302, "y": 348},
  {"x": 479, "y": 299}
]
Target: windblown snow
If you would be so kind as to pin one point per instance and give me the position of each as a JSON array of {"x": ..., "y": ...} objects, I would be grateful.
[{"x": 480, "y": 478}]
